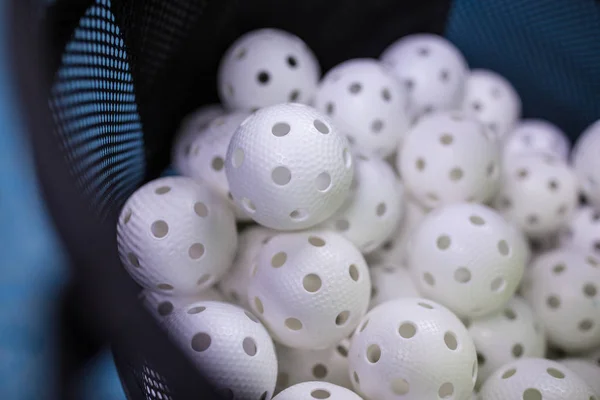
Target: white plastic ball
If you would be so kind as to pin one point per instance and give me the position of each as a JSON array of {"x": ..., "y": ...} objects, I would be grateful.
[
  {"x": 390, "y": 282},
  {"x": 176, "y": 236},
  {"x": 206, "y": 161},
  {"x": 374, "y": 207},
  {"x": 412, "y": 348},
  {"x": 587, "y": 163},
  {"x": 594, "y": 356},
  {"x": 586, "y": 370},
  {"x": 449, "y": 158},
  {"x": 367, "y": 103},
  {"x": 583, "y": 231},
  {"x": 191, "y": 126},
  {"x": 316, "y": 390},
  {"x": 266, "y": 67},
  {"x": 562, "y": 287},
  {"x": 535, "y": 379},
  {"x": 288, "y": 167},
  {"x": 468, "y": 258},
  {"x": 536, "y": 136},
  {"x": 492, "y": 99},
  {"x": 234, "y": 284},
  {"x": 507, "y": 335},
  {"x": 309, "y": 288},
  {"x": 538, "y": 193},
  {"x": 431, "y": 68},
  {"x": 229, "y": 346},
  {"x": 298, "y": 365}
]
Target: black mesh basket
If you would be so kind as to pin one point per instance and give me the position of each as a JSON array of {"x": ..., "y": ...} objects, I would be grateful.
[{"x": 105, "y": 84}]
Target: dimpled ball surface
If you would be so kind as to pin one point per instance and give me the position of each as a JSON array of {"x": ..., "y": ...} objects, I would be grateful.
[
  {"x": 432, "y": 70},
  {"x": 414, "y": 349},
  {"x": 448, "y": 158},
  {"x": 267, "y": 67},
  {"x": 538, "y": 137},
  {"x": 374, "y": 207},
  {"x": 468, "y": 258},
  {"x": 492, "y": 99},
  {"x": 507, "y": 335},
  {"x": 583, "y": 231},
  {"x": 586, "y": 370},
  {"x": 367, "y": 103},
  {"x": 230, "y": 346},
  {"x": 587, "y": 163},
  {"x": 389, "y": 282},
  {"x": 309, "y": 288},
  {"x": 562, "y": 287},
  {"x": 538, "y": 193},
  {"x": 316, "y": 390},
  {"x": 288, "y": 167},
  {"x": 176, "y": 236},
  {"x": 535, "y": 379}
]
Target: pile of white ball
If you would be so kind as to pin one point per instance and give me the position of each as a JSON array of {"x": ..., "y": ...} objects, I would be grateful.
[{"x": 364, "y": 278}]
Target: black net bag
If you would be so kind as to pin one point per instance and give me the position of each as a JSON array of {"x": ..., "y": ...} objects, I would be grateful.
[{"x": 105, "y": 84}]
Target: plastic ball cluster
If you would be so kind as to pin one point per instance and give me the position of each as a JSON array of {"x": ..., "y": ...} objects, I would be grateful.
[{"x": 390, "y": 229}]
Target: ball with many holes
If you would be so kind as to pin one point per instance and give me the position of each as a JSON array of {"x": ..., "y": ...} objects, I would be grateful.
[
  {"x": 586, "y": 370},
  {"x": 449, "y": 158},
  {"x": 390, "y": 282},
  {"x": 298, "y": 365},
  {"x": 538, "y": 137},
  {"x": 492, "y": 100},
  {"x": 538, "y": 193},
  {"x": 432, "y": 70},
  {"x": 316, "y": 390},
  {"x": 374, "y": 207},
  {"x": 562, "y": 287},
  {"x": 163, "y": 306},
  {"x": 583, "y": 231},
  {"x": 288, "y": 167},
  {"x": 234, "y": 284},
  {"x": 506, "y": 335},
  {"x": 412, "y": 348},
  {"x": 587, "y": 163},
  {"x": 191, "y": 126},
  {"x": 367, "y": 103},
  {"x": 535, "y": 379},
  {"x": 266, "y": 67},
  {"x": 309, "y": 288},
  {"x": 176, "y": 236},
  {"x": 468, "y": 258},
  {"x": 230, "y": 346},
  {"x": 206, "y": 161}
]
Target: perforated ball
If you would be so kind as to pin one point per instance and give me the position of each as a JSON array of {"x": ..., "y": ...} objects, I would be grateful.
[
  {"x": 587, "y": 163},
  {"x": 492, "y": 99},
  {"x": 266, "y": 67},
  {"x": 229, "y": 346},
  {"x": 163, "y": 306},
  {"x": 536, "y": 136},
  {"x": 234, "y": 284},
  {"x": 535, "y": 379},
  {"x": 502, "y": 337},
  {"x": 367, "y": 104},
  {"x": 310, "y": 288},
  {"x": 562, "y": 287},
  {"x": 583, "y": 231},
  {"x": 449, "y": 158},
  {"x": 538, "y": 193},
  {"x": 328, "y": 365},
  {"x": 413, "y": 348},
  {"x": 468, "y": 258},
  {"x": 189, "y": 129},
  {"x": 586, "y": 370},
  {"x": 176, "y": 236},
  {"x": 316, "y": 390},
  {"x": 374, "y": 207},
  {"x": 390, "y": 282},
  {"x": 288, "y": 167},
  {"x": 432, "y": 70}
]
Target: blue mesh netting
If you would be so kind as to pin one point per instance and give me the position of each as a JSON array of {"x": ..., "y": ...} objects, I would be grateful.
[
  {"x": 548, "y": 49},
  {"x": 95, "y": 111}
]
